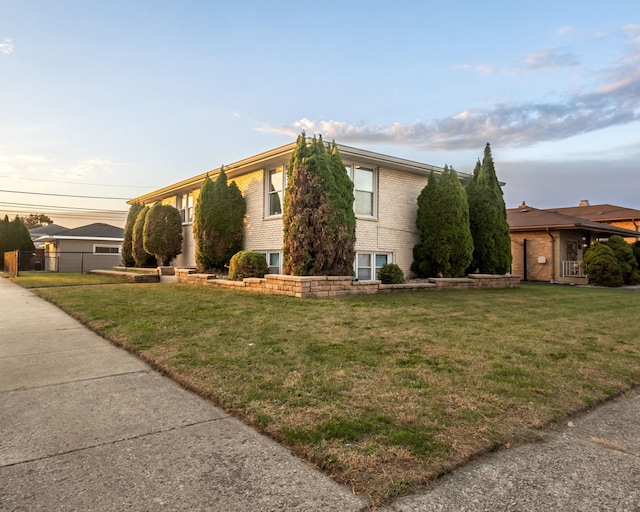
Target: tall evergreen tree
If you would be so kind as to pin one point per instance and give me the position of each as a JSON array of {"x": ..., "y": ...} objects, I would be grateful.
[
  {"x": 488, "y": 220},
  {"x": 14, "y": 236},
  {"x": 446, "y": 244},
  {"x": 127, "y": 245},
  {"x": 141, "y": 257},
  {"x": 423, "y": 264},
  {"x": 218, "y": 222},
  {"x": 5, "y": 243},
  {"x": 162, "y": 232},
  {"x": 318, "y": 217}
]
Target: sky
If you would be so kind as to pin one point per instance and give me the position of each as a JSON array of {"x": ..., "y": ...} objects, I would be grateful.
[{"x": 101, "y": 101}]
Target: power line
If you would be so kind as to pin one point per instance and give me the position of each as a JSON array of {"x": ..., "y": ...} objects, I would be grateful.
[
  {"x": 60, "y": 208},
  {"x": 76, "y": 183},
  {"x": 64, "y": 195}
]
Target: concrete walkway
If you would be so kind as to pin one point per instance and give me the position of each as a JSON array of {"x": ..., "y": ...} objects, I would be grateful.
[{"x": 86, "y": 426}]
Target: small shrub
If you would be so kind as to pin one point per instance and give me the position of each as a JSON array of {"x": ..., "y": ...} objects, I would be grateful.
[
  {"x": 390, "y": 273},
  {"x": 245, "y": 264},
  {"x": 602, "y": 266}
]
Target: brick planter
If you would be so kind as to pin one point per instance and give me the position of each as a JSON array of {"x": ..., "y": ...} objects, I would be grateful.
[{"x": 334, "y": 286}]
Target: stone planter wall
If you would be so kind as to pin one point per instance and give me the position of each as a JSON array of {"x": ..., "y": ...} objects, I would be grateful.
[{"x": 334, "y": 286}]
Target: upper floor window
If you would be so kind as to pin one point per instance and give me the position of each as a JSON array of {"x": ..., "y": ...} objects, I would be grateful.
[
  {"x": 363, "y": 189},
  {"x": 185, "y": 205},
  {"x": 275, "y": 191}
]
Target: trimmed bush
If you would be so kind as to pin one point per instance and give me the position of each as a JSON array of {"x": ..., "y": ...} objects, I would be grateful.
[
  {"x": 162, "y": 232},
  {"x": 625, "y": 256},
  {"x": 390, "y": 273},
  {"x": 602, "y": 266},
  {"x": 247, "y": 264}
]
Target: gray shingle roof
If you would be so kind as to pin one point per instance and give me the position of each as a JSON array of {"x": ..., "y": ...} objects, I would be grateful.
[
  {"x": 96, "y": 230},
  {"x": 51, "y": 229}
]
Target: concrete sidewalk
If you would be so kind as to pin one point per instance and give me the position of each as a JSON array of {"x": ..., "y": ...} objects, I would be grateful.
[{"x": 86, "y": 426}]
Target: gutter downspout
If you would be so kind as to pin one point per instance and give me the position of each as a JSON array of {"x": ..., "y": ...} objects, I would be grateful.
[{"x": 553, "y": 255}]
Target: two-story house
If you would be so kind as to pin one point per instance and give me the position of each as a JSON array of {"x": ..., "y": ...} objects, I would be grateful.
[{"x": 386, "y": 189}]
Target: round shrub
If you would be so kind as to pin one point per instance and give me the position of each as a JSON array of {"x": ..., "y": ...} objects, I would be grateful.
[
  {"x": 247, "y": 264},
  {"x": 602, "y": 266},
  {"x": 390, "y": 273}
]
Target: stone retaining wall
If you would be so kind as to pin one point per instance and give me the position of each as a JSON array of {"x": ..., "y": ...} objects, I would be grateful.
[{"x": 334, "y": 286}]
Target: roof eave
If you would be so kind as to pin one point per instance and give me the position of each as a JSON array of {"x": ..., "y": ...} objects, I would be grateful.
[{"x": 256, "y": 162}]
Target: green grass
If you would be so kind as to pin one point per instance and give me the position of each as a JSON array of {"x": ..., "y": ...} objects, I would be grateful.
[
  {"x": 383, "y": 392},
  {"x": 31, "y": 279}
]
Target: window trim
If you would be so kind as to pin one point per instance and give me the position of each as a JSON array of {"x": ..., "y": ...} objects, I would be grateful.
[
  {"x": 107, "y": 246},
  {"x": 351, "y": 168},
  {"x": 372, "y": 261},
  {"x": 267, "y": 255},
  {"x": 268, "y": 192},
  {"x": 186, "y": 212}
]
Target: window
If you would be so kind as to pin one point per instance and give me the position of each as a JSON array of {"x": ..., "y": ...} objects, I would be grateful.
[
  {"x": 106, "y": 249},
  {"x": 273, "y": 260},
  {"x": 367, "y": 264},
  {"x": 363, "y": 189},
  {"x": 275, "y": 190},
  {"x": 186, "y": 207}
]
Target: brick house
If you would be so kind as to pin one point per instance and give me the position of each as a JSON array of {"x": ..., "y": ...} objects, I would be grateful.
[
  {"x": 627, "y": 218},
  {"x": 548, "y": 245},
  {"x": 386, "y": 189}
]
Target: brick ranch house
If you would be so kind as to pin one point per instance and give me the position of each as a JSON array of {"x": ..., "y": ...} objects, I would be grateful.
[
  {"x": 548, "y": 245},
  {"x": 386, "y": 189}
]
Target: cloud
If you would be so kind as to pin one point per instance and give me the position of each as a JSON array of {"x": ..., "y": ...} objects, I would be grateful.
[
  {"x": 615, "y": 101},
  {"x": 6, "y": 47},
  {"x": 42, "y": 166},
  {"x": 565, "y": 31},
  {"x": 545, "y": 60},
  {"x": 550, "y": 58}
]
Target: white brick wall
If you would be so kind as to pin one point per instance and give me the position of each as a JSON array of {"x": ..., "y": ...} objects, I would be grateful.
[{"x": 393, "y": 231}]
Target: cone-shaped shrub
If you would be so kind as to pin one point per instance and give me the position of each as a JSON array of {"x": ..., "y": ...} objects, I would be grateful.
[
  {"x": 443, "y": 220},
  {"x": 218, "y": 223},
  {"x": 127, "y": 244},
  {"x": 318, "y": 217},
  {"x": 488, "y": 220},
  {"x": 141, "y": 257}
]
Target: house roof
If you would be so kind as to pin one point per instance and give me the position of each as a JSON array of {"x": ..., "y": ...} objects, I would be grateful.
[
  {"x": 527, "y": 218},
  {"x": 601, "y": 212},
  {"x": 50, "y": 229},
  {"x": 94, "y": 231},
  {"x": 282, "y": 154}
]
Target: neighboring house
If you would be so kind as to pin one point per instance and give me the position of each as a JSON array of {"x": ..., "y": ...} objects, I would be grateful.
[
  {"x": 549, "y": 246},
  {"x": 386, "y": 189},
  {"x": 619, "y": 216},
  {"x": 91, "y": 247},
  {"x": 40, "y": 231}
]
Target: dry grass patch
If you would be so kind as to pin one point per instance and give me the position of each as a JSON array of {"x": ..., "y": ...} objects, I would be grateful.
[{"x": 385, "y": 392}]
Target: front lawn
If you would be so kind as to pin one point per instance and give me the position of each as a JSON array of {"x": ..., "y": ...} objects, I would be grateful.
[
  {"x": 385, "y": 392},
  {"x": 32, "y": 279}
]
